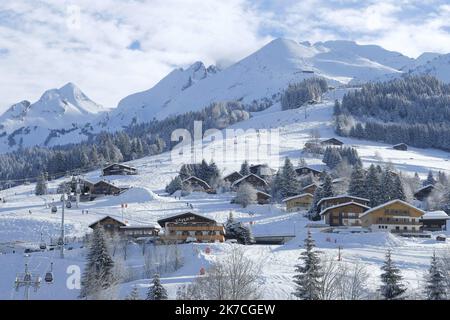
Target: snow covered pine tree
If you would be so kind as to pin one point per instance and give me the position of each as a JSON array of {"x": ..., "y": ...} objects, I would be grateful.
[
  {"x": 435, "y": 288},
  {"x": 157, "y": 290},
  {"x": 308, "y": 274},
  {"x": 391, "y": 288}
]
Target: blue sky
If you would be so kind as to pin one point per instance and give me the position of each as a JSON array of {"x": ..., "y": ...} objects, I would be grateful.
[{"x": 112, "y": 48}]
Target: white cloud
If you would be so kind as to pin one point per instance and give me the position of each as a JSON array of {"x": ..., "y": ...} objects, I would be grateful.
[{"x": 44, "y": 43}]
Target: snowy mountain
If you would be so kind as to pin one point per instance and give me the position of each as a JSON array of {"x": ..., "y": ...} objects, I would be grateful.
[
  {"x": 66, "y": 115},
  {"x": 63, "y": 109},
  {"x": 263, "y": 74},
  {"x": 438, "y": 67}
]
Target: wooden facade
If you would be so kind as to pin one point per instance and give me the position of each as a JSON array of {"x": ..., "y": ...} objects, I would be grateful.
[
  {"x": 197, "y": 184},
  {"x": 299, "y": 202},
  {"x": 117, "y": 169},
  {"x": 232, "y": 177},
  {"x": 331, "y": 142},
  {"x": 395, "y": 216},
  {"x": 311, "y": 188},
  {"x": 435, "y": 221},
  {"x": 333, "y": 201},
  {"x": 303, "y": 171},
  {"x": 262, "y": 197},
  {"x": 345, "y": 214},
  {"x": 252, "y": 179},
  {"x": 423, "y": 193},
  {"x": 106, "y": 188},
  {"x": 109, "y": 224},
  {"x": 191, "y": 226}
]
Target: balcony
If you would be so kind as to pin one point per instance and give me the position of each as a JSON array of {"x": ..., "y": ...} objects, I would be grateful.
[{"x": 399, "y": 223}]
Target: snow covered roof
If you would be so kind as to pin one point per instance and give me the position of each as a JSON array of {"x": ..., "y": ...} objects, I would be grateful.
[
  {"x": 432, "y": 215},
  {"x": 264, "y": 193},
  {"x": 162, "y": 221},
  {"x": 119, "y": 164},
  {"x": 230, "y": 174},
  {"x": 428, "y": 186},
  {"x": 108, "y": 217},
  {"x": 343, "y": 205},
  {"x": 308, "y": 167},
  {"x": 246, "y": 177},
  {"x": 389, "y": 203},
  {"x": 297, "y": 196},
  {"x": 198, "y": 179},
  {"x": 342, "y": 196},
  {"x": 310, "y": 185}
]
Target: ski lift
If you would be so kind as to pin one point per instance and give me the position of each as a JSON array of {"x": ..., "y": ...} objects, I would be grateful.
[
  {"x": 54, "y": 209},
  {"x": 49, "y": 275},
  {"x": 42, "y": 244},
  {"x": 68, "y": 204},
  {"x": 60, "y": 242}
]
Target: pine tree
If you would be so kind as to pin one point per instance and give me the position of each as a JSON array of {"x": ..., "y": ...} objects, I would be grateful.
[
  {"x": 398, "y": 192},
  {"x": 435, "y": 288},
  {"x": 313, "y": 212},
  {"x": 98, "y": 273},
  {"x": 134, "y": 294},
  {"x": 372, "y": 186},
  {"x": 391, "y": 288},
  {"x": 41, "y": 185},
  {"x": 308, "y": 273},
  {"x": 174, "y": 185},
  {"x": 430, "y": 179},
  {"x": 388, "y": 187},
  {"x": 357, "y": 182},
  {"x": 327, "y": 187},
  {"x": 157, "y": 290},
  {"x": 288, "y": 184},
  {"x": 245, "y": 169}
]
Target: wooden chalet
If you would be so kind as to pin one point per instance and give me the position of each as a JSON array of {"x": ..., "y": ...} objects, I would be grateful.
[
  {"x": 232, "y": 177},
  {"x": 298, "y": 202},
  {"x": 424, "y": 192},
  {"x": 435, "y": 221},
  {"x": 395, "y": 216},
  {"x": 109, "y": 224},
  {"x": 197, "y": 184},
  {"x": 302, "y": 171},
  {"x": 106, "y": 188},
  {"x": 117, "y": 169},
  {"x": 190, "y": 226},
  {"x": 344, "y": 214},
  {"x": 400, "y": 146},
  {"x": 333, "y": 201},
  {"x": 262, "y": 170},
  {"x": 262, "y": 197},
  {"x": 331, "y": 142},
  {"x": 252, "y": 179},
  {"x": 115, "y": 226},
  {"x": 311, "y": 188}
]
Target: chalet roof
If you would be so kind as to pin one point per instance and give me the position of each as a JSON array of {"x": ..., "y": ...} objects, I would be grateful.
[
  {"x": 246, "y": 177},
  {"x": 332, "y": 140},
  {"x": 342, "y": 196},
  {"x": 230, "y": 174},
  {"x": 119, "y": 164},
  {"x": 297, "y": 196},
  {"x": 308, "y": 167},
  {"x": 264, "y": 193},
  {"x": 198, "y": 179},
  {"x": 343, "y": 205},
  {"x": 400, "y": 144},
  {"x": 143, "y": 226},
  {"x": 389, "y": 203},
  {"x": 168, "y": 218},
  {"x": 310, "y": 185},
  {"x": 107, "y": 183},
  {"x": 428, "y": 186},
  {"x": 433, "y": 215},
  {"x": 108, "y": 217}
]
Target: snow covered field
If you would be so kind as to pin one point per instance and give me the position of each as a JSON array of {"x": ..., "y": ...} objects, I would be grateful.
[{"x": 24, "y": 216}]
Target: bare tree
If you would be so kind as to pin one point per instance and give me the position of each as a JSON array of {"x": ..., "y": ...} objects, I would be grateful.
[{"x": 235, "y": 277}]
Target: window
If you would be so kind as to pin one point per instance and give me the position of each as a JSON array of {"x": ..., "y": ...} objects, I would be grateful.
[{"x": 397, "y": 228}]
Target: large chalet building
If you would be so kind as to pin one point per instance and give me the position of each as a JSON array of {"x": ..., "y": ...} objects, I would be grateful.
[
  {"x": 396, "y": 216},
  {"x": 114, "y": 226},
  {"x": 188, "y": 227},
  {"x": 232, "y": 177},
  {"x": 306, "y": 170},
  {"x": 197, "y": 184}
]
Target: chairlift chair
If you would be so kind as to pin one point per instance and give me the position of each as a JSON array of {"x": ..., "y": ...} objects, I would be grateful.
[
  {"x": 49, "y": 275},
  {"x": 54, "y": 209},
  {"x": 42, "y": 244},
  {"x": 68, "y": 204}
]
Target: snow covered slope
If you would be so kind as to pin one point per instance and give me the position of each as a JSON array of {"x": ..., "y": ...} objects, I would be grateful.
[
  {"x": 63, "y": 109},
  {"x": 438, "y": 67}
]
